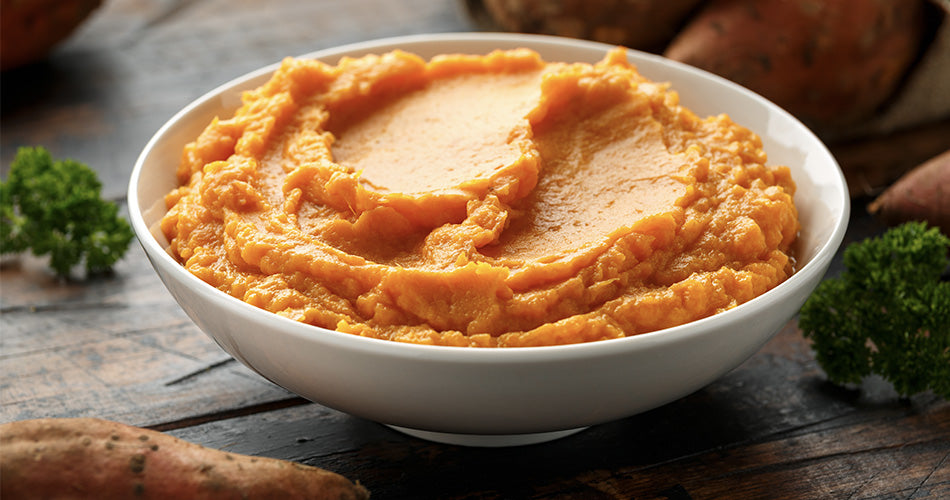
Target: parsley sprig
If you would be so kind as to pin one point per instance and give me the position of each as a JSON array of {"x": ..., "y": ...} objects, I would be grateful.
[
  {"x": 54, "y": 207},
  {"x": 887, "y": 314}
]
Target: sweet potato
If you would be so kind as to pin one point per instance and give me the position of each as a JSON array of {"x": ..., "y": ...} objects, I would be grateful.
[
  {"x": 830, "y": 63},
  {"x": 921, "y": 194},
  {"x": 92, "y": 458},
  {"x": 29, "y": 30},
  {"x": 638, "y": 24}
]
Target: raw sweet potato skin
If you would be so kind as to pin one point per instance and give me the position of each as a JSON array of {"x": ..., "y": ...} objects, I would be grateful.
[
  {"x": 637, "y": 24},
  {"x": 66, "y": 458},
  {"x": 921, "y": 194},
  {"x": 830, "y": 63},
  {"x": 28, "y": 30}
]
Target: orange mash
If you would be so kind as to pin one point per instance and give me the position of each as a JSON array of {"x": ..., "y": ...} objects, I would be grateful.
[{"x": 469, "y": 200}]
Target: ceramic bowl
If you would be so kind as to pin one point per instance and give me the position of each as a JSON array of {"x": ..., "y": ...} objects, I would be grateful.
[{"x": 503, "y": 396}]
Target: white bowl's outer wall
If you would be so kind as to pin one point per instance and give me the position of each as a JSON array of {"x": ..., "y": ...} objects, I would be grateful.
[{"x": 503, "y": 391}]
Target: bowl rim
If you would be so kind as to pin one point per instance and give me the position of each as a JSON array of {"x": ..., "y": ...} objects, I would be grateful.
[{"x": 454, "y": 354}]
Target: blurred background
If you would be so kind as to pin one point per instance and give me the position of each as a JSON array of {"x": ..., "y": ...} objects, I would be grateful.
[{"x": 94, "y": 79}]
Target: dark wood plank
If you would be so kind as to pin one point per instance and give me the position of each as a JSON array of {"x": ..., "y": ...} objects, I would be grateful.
[
  {"x": 770, "y": 429},
  {"x": 118, "y": 347},
  {"x": 109, "y": 345}
]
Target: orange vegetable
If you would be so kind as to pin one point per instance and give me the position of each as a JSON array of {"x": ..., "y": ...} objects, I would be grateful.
[
  {"x": 828, "y": 63},
  {"x": 921, "y": 194},
  {"x": 490, "y": 200},
  {"x": 28, "y": 30},
  {"x": 93, "y": 458}
]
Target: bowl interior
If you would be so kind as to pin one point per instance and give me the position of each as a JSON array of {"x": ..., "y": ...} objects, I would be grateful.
[
  {"x": 821, "y": 197},
  {"x": 482, "y": 391}
]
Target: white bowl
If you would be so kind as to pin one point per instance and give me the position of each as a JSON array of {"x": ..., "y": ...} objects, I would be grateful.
[{"x": 516, "y": 395}]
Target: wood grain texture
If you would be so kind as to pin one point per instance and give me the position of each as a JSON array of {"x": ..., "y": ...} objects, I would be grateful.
[
  {"x": 772, "y": 428},
  {"x": 117, "y": 346}
]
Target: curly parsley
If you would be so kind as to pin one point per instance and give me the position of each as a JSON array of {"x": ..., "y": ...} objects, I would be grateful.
[
  {"x": 887, "y": 314},
  {"x": 54, "y": 208}
]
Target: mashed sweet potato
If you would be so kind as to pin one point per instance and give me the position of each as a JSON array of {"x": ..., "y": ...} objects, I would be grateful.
[{"x": 480, "y": 200}]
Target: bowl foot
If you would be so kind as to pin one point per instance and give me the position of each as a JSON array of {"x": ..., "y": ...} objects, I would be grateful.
[{"x": 487, "y": 440}]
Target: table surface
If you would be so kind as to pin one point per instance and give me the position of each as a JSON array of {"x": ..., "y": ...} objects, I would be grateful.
[{"x": 119, "y": 347}]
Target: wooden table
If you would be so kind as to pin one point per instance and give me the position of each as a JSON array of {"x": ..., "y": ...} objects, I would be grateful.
[{"x": 119, "y": 347}]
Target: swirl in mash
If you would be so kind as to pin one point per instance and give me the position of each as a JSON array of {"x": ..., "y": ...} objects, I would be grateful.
[{"x": 494, "y": 200}]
